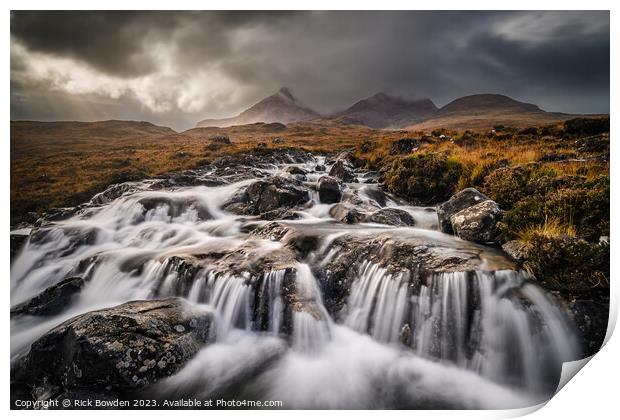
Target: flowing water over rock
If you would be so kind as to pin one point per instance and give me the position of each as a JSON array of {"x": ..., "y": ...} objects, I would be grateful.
[{"x": 316, "y": 310}]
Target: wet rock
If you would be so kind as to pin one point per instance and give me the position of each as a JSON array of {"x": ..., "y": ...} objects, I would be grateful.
[
  {"x": 459, "y": 201},
  {"x": 269, "y": 194},
  {"x": 56, "y": 214},
  {"x": 319, "y": 168},
  {"x": 590, "y": 315},
  {"x": 113, "y": 192},
  {"x": 296, "y": 170},
  {"x": 342, "y": 171},
  {"x": 17, "y": 242},
  {"x": 376, "y": 194},
  {"x": 279, "y": 214},
  {"x": 329, "y": 190},
  {"x": 391, "y": 216},
  {"x": 52, "y": 300},
  {"x": 405, "y": 336},
  {"x": 116, "y": 349},
  {"x": 419, "y": 256},
  {"x": 346, "y": 213},
  {"x": 477, "y": 223}
]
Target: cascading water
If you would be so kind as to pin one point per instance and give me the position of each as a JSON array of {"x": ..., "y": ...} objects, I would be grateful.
[
  {"x": 491, "y": 322},
  {"x": 402, "y": 338}
]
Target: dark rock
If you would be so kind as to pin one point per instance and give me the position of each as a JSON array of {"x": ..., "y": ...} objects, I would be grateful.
[
  {"x": 418, "y": 256},
  {"x": 296, "y": 170},
  {"x": 391, "y": 216},
  {"x": 279, "y": 214},
  {"x": 52, "y": 300},
  {"x": 459, "y": 201},
  {"x": 477, "y": 223},
  {"x": 17, "y": 243},
  {"x": 319, "y": 168},
  {"x": 117, "y": 349},
  {"x": 56, "y": 214},
  {"x": 329, "y": 190},
  {"x": 376, "y": 194},
  {"x": 342, "y": 171},
  {"x": 269, "y": 194},
  {"x": 590, "y": 315},
  {"x": 113, "y": 192}
]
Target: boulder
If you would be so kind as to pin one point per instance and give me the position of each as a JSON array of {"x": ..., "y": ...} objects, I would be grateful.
[
  {"x": 329, "y": 190},
  {"x": 477, "y": 223},
  {"x": 116, "y": 349},
  {"x": 52, "y": 300},
  {"x": 269, "y": 194},
  {"x": 347, "y": 213},
  {"x": 391, "y": 216},
  {"x": 342, "y": 171},
  {"x": 295, "y": 170},
  {"x": 459, "y": 201},
  {"x": 319, "y": 168}
]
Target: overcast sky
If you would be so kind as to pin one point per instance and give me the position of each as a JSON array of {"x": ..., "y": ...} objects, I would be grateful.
[{"x": 175, "y": 68}]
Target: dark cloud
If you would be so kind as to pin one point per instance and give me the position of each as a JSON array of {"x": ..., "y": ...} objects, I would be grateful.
[{"x": 175, "y": 68}]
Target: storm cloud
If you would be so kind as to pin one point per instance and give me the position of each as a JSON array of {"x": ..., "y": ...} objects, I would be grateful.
[{"x": 175, "y": 68}]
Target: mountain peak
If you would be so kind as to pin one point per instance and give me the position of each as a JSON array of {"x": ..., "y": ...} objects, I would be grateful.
[
  {"x": 280, "y": 107},
  {"x": 286, "y": 92}
]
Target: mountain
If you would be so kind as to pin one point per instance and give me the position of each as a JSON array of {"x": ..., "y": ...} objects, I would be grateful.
[
  {"x": 484, "y": 111},
  {"x": 485, "y": 103},
  {"x": 383, "y": 111},
  {"x": 280, "y": 107}
]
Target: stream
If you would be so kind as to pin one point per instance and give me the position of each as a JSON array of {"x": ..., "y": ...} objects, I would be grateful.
[{"x": 310, "y": 308}]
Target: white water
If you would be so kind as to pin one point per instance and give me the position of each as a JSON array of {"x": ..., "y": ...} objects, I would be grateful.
[{"x": 482, "y": 339}]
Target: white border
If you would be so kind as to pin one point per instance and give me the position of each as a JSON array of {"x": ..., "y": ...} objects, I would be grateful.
[{"x": 592, "y": 394}]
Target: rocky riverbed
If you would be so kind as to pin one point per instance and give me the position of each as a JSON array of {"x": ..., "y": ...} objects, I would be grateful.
[{"x": 286, "y": 276}]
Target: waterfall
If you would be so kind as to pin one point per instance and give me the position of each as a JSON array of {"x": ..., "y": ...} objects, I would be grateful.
[
  {"x": 391, "y": 337},
  {"x": 494, "y": 323},
  {"x": 310, "y": 330}
]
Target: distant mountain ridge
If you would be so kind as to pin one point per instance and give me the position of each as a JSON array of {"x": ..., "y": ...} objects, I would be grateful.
[
  {"x": 386, "y": 111},
  {"x": 280, "y": 107},
  {"x": 382, "y": 111}
]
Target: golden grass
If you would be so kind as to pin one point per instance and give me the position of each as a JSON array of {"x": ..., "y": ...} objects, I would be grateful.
[{"x": 551, "y": 228}]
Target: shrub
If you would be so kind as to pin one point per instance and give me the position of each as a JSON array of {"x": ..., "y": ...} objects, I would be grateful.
[
  {"x": 566, "y": 263},
  {"x": 584, "y": 206},
  {"x": 509, "y": 185},
  {"x": 424, "y": 178},
  {"x": 586, "y": 126}
]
